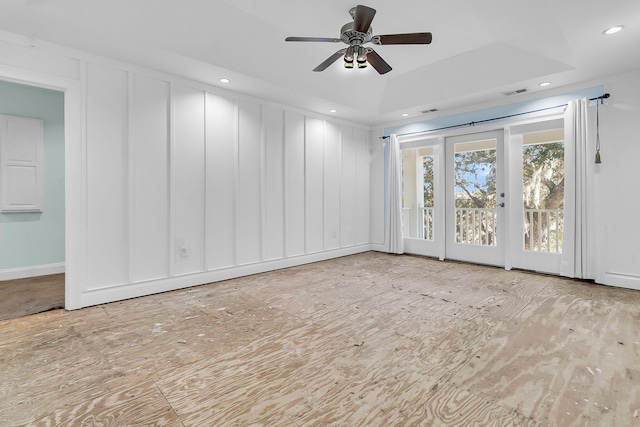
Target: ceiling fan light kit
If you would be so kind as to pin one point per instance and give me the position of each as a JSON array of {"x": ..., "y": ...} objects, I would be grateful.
[{"x": 356, "y": 34}]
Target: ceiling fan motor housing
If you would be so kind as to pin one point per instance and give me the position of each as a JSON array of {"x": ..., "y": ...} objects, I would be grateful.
[{"x": 353, "y": 37}]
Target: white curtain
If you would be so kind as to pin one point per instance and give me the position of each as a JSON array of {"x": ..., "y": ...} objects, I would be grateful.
[
  {"x": 393, "y": 239},
  {"x": 577, "y": 166}
]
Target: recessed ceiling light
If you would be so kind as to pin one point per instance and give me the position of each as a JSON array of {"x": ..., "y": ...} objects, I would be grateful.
[
  {"x": 333, "y": 111},
  {"x": 224, "y": 80},
  {"x": 543, "y": 84},
  {"x": 405, "y": 114},
  {"x": 613, "y": 30}
]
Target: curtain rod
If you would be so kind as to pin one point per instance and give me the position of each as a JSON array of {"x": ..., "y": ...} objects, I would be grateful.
[{"x": 605, "y": 96}]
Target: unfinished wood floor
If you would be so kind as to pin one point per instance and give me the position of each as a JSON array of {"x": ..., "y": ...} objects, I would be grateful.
[
  {"x": 22, "y": 297},
  {"x": 365, "y": 340}
]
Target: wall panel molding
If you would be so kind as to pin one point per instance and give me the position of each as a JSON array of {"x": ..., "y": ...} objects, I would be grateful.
[
  {"x": 332, "y": 171},
  {"x": 107, "y": 176},
  {"x": 249, "y": 197},
  {"x": 294, "y": 187},
  {"x": 188, "y": 179},
  {"x": 221, "y": 185},
  {"x": 314, "y": 184},
  {"x": 273, "y": 185},
  {"x": 348, "y": 188},
  {"x": 363, "y": 207},
  {"x": 149, "y": 183}
]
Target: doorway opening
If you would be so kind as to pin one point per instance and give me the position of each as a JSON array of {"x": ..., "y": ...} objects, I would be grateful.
[{"x": 32, "y": 241}]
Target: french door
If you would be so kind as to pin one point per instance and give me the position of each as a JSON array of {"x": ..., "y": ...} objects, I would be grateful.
[
  {"x": 422, "y": 200},
  {"x": 491, "y": 198},
  {"x": 475, "y": 198},
  {"x": 536, "y": 165}
]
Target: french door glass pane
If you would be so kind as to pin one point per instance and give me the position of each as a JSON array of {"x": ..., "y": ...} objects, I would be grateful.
[
  {"x": 417, "y": 193},
  {"x": 475, "y": 192},
  {"x": 543, "y": 184}
]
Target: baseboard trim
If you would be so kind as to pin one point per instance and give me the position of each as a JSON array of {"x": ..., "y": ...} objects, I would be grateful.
[
  {"x": 31, "y": 271},
  {"x": 378, "y": 247},
  {"x": 133, "y": 290},
  {"x": 622, "y": 280}
]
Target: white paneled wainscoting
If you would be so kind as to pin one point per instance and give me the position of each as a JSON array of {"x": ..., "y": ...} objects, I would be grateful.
[
  {"x": 171, "y": 182},
  {"x": 188, "y": 185}
]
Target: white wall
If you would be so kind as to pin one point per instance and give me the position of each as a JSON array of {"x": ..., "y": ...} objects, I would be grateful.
[
  {"x": 213, "y": 181},
  {"x": 183, "y": 183},
  {"x": 617, "y": 203}
]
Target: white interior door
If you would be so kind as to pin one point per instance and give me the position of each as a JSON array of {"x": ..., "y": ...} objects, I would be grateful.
[{"x": 475, "y": 198}]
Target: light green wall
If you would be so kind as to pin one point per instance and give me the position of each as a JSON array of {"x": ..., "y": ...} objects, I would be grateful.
[{"x": 32, "y": 239}]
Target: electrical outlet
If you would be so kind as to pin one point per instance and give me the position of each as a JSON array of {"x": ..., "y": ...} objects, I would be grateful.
[{"x": 184, "y": 251}]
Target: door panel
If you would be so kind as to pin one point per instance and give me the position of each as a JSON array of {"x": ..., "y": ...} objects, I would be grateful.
[
  {"x": 537, "y": 165},
  {"x": 422, "y": 207},
  {"x": 475, "y": 198}
]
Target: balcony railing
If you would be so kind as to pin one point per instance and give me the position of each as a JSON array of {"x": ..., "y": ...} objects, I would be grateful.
[
  {"x": 478, "y": 226},
  {"x": 543, "y": 230},
  {"x": 417, "y": 223}
]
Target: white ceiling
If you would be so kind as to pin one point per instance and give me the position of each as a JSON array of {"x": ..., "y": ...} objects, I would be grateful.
[{"x": 480, "y": 49}]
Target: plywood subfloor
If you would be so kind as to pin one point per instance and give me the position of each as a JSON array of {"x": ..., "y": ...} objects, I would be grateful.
[
  {"x": 22, "y": 297},
  {"x": 365, "y": 340}
]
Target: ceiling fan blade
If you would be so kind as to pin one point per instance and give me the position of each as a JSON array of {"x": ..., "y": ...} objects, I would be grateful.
[
  {"x": 330, "y": 60},
  {"x": 363, "y": 17},
  {"x": 377, "y": 62},
  {"x": 312, "y": 39},
  {"x": 410, "y": 38}
]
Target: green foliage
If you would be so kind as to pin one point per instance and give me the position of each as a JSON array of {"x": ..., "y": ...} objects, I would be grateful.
[
  {"x": 475, "y": 186},
  {"x": 475, "y": 179},
  {"x": 427, "y": 171},
  {"x": 543, "y": 185},
  {"x": 543, "y": 175}
]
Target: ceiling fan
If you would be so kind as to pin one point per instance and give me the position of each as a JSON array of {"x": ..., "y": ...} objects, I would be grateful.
[{"x": 356, "y": 34}]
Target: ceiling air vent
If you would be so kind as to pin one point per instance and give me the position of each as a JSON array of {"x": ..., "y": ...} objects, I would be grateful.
[
  {"x": 515, "y": 92},
  {"x": 433, "y": 110}
]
